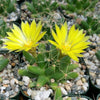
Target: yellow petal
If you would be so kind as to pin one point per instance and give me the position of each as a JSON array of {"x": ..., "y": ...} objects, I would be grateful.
[
  {"x": 17, "y": 31},
  {"x": 58, "y": 32},
  {"x": 55, "y": 37},
  {"x": 64, "y": 32},
  {"x": 54, "y": 43},
  {"x": 33, "y": 29},
  {"x": 79, "y": 55},
  {"x": 39, "y": 37},
  {"x": 38, "y": 29},
  {"x": 72, "y": 55}
]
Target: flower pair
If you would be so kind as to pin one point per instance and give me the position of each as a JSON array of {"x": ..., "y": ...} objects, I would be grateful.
[{"x": 26, "y": 38}]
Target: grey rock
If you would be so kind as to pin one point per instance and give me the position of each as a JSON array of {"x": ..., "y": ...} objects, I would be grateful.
[
  {"x": 8, "y": 88},
  {"x": 84, "y": 88},
  {"x": 6, "y": 81},
  {"x": 6, "y": 94},
  {"x": 16, "y": 89},
  {"x": 11, "y": 92},
  {"x": 26, "y": 80},
  {"x": 98, "y": 81},
  {"x": 29, "y": 92},
  {"x": 64, "y": 92},
  {"x": 8, "y": 66}
]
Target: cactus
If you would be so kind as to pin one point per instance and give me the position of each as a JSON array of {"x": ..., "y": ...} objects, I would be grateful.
[
  {"x": 3, "y": 28},
  {"x": 57, "y": 68},
  {"x": 64, "y": 62},
  {"x": 58, "y": 94},
  {"x": 36, "y": 70},
  {"x": 25, "y": 72},
  {"x": 29, "y": 57},
  {"x": 41, "y": 60},
  {"x": 79, "y": 6},
  {"x": 3, "y": 63},
  {"x": 91, "y": 26},
  {"x": 42, "y": 80},
  {"x": 32, "y": 84},
  {"x": 44, "y": 6},
  {"x": 7, "y": 6},
  {"x": 54, "y": 85},
  {"x": 71, "y": 67},
  {"x": 49, "y": 65}
]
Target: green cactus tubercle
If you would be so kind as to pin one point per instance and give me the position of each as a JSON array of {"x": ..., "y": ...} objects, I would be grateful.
[
  {"x": 3, "y": 63},
  {"x": 48, "y": 66}
]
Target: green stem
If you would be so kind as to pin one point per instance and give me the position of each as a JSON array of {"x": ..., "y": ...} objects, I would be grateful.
[{"x": 33, "y": 51}]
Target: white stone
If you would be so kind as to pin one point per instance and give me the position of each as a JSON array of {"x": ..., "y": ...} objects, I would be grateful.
[
  {"x": 93, "y": 67},
  {"x": 60, "y": 84},
  {"x": 86, "y": 84},
  {"x": 92, "y": 52},
  {"x": 33, "y": 94},
  {"x": 29, "y": 92},
  {"x": 13, "y": 82},
  {"x": 8, "y": 70},
  {"x": 65, "y": 98},
  {"x": 1, "y": 74},
  {"x": 26, "y": 80},
  {"x": 9, "y": 66},
  {"x": 67, "y": 87},
  {"x": 48, "y": 98},
  {"x": 6, "y": 81},
  {"x": 79, "y": 88},
  {"x": 84, "y": 88},
  {"x": 90, "y": 63},
  {"x": 96, "y": 61},
  {"x": 64, "y": 92},
  {"x": 68, "y": 81},
  {"x": 42, "y": 89},
  {"x": 2, "y": 89},
  {"x": 5, "y": 71},
  {"x": 97, "y": 38},
  {"x": 11, "y": 75},
  {"x": 98, "y": 81},
  {"x": 79, "y": 83},
  {"x": 42, "y": 95},
  {"x": 93, "y": 38},
  {"x": 16, "y": 89},
  {"x": 7, "y": 94},
  {"x": 83, "y": 99},
  {"x": 5, "y": 75},
  {"x": 57, "y": 16},
  {"x": 86, "y": 55},
  {"x": 94, "y": 35}
]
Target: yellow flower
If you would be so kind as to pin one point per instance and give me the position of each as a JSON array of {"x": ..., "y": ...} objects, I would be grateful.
[
  {"x": 24, "y": 39},
  {"x": 72, "y": 43}
]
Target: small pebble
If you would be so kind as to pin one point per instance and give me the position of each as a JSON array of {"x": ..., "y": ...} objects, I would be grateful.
[
  {"x": 64, "y": 92},
  {"x": 79, "y": 83},
  {"x": 29, "y": 92},
  {"x": 98, "y": 81},
  {"x": 26, "y": 80},
  {"x": 6, "y": 81},
  {"x": 84, "y": 88},
  {"x": 8, "y": 66}
]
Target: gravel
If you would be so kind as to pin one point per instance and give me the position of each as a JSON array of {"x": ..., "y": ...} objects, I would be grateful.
[{"x": 10, "y": 81}]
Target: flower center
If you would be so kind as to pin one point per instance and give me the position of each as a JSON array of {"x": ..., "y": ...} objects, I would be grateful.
[
  {"x": 28, "y": 44},
  {"x": 66, "y": 47}
]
